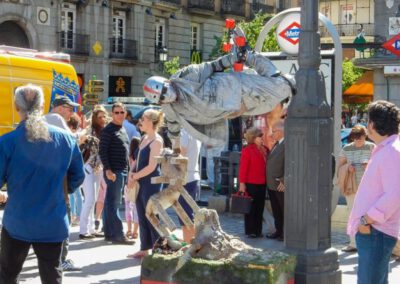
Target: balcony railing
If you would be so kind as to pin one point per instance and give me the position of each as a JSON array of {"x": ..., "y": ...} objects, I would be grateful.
[
  {"x": 265, "y": 9},
  {"x": 72, "y": 43},
  {"x": 201, "y": 4},
  {"x": 176, "y": 2},
  {"x": 123, "y": 48},
  {"x": 233, "y": 7},
  {"x": 350, "y": 30}
]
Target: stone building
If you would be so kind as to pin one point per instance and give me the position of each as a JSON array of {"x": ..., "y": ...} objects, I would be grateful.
[{"x": 120, "y": 41}]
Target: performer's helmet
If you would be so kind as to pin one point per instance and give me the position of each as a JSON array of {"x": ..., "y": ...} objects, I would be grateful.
[{"x": 154, "y": 88}]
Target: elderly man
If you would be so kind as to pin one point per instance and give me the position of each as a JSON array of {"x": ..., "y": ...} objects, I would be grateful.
[
  {"x": 375, "y": 217},
  {"x": 61, "y": 112},
  {"x": 36, "y": 214},
  {"x": 275, "y": 178},
  {"x": 200, "y": 97}
]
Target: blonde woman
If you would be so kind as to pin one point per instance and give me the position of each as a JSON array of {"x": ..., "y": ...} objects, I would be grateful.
[{"x": 144, "y": 168}]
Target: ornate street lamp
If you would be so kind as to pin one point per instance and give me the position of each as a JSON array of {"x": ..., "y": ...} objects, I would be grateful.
[{"x": 163, "y": 54}]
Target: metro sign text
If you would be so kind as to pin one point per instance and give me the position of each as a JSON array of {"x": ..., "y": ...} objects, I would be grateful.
[{"x": 291, "y": 33}]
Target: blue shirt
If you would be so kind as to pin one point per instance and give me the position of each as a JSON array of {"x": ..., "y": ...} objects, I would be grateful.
[{"x": 34, "y": 174}]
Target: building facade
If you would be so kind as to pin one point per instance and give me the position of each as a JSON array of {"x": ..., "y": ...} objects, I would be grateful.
[{"x": 120, "y": 41}]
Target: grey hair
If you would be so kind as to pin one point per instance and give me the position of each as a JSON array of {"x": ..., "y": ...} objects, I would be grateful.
[{"x": 30, "y": 100}]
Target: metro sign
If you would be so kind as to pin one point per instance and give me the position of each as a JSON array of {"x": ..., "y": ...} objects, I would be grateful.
[
  {"x": 393, "y": 45},
  {"x": 291, "y": 33}
]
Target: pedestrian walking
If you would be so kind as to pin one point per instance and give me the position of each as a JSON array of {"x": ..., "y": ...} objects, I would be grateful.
[
  {"x": 375, "y": 218},
  {"x": 36, "y": 213}
]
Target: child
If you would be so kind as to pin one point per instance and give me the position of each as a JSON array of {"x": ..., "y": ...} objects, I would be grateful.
[{"x": 130, "y": 207}]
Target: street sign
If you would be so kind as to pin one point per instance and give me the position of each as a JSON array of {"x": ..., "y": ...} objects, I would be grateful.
[
  {"x": 288, "y": 33},
  {"x": 393, "y": 45}
]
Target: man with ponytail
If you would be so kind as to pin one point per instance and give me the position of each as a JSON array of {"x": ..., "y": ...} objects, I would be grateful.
[{"x": 34, "y": 160}]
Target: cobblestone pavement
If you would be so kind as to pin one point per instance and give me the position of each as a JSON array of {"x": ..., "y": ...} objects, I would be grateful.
[{"x": 102, "y": 262}]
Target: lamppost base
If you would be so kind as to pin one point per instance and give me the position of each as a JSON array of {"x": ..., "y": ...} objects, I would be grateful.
[{"x": 318, "y": 267}]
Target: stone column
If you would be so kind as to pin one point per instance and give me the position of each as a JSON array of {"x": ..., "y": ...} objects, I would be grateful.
[
  {"x": 308, "y": 163},
  {"x": 217, "y": 6}
]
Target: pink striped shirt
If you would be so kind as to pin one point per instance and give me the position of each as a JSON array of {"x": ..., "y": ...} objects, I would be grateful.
[{"x": 378, "y": 194}]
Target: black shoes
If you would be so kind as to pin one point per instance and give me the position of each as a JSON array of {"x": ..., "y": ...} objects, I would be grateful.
[
  {"x": 278, "y": 236},
  {"x": 91, "y": 236},
  {"x": 254, "y": 236},
  {"x": 86, "y": 236}
]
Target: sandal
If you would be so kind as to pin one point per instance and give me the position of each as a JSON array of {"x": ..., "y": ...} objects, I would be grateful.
[
  {"x": 129, "y": 235},
  {"x": 138, "y": 255},
  {"x": 134, "y": 236}
]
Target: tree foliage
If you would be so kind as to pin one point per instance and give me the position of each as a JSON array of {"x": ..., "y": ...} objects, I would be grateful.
[
  {"x": 351, "y": 74},
  {"x": 171, "y": 66}
]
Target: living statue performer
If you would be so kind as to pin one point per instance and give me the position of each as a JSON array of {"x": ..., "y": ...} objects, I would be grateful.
[{"x": 200, "y": 97}]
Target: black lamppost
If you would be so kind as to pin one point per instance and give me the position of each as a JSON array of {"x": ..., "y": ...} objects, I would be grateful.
[
  {"x": 163, "y": 56},
  {"x": 308, "y": 163}
]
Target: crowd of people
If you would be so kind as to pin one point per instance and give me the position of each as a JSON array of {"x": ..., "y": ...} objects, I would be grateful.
[
  {"x": 82, "y": 185},
  {"x": 366, "y": 175}
]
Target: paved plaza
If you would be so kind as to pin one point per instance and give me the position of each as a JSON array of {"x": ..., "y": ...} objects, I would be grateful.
[{"x": 103, "y": 262}]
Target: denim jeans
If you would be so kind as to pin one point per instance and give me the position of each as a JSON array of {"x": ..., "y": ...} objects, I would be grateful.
[
  {"x": 374, "y": 251},
  {"x": 113, "y": 229}
]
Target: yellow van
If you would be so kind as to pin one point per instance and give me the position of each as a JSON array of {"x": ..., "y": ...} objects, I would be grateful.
[{"x": 51, "y": 71}]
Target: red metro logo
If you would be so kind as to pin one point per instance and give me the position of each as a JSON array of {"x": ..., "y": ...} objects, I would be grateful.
[{"x": 291, "y": 33}]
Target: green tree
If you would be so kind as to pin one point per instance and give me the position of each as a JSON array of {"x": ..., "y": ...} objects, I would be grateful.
[
  {"x": 351, "y": 74},
  {"x": 252, "y": 30},
  {"x": 171, "y": 66}
]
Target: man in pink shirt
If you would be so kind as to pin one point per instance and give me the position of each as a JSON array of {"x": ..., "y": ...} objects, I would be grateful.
[{"x": 375, "y": 218}]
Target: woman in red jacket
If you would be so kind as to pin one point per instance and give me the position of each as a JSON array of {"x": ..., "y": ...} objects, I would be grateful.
[{"x": 252, "y": 178}]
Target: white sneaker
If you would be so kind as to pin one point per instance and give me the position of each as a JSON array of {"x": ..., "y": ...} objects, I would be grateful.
[{"x": 68, "y": 265}]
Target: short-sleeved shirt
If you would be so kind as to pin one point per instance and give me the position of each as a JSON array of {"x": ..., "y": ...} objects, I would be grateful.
[
  {"x": 357, "y": 156},
  {"x": 193, "y": 150}
]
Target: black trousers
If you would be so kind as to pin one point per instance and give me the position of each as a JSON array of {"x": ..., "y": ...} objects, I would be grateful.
[
  {"x": 277, "y": 199},
  {"x": 253, "y": 220},
  {"x": 14, "y": 252}
]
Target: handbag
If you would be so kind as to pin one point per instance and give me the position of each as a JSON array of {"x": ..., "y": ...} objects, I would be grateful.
[
  {"x": 241, "y": 203},
  {"x": 132, "y": 191}
]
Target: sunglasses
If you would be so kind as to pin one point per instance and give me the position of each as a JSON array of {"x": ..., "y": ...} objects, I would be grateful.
[{"x": 118, "y": 112}]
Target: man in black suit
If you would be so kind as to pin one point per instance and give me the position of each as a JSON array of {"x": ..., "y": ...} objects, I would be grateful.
[{"x": 275, "y": 178}]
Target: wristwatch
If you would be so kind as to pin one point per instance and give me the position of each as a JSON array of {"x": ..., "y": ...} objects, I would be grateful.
[{"x": 363, "y": 221}]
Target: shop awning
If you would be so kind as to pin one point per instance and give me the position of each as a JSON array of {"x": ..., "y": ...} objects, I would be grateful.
[{"x": 362, "y": 91}]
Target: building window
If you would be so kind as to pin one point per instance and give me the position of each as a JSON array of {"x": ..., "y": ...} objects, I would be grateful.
[
  {"x": 195, "y": 39},
  {"x": 160, "y": 37},
  {"x": 68, "y": 23},
  {"x": 119, "y": 27}
]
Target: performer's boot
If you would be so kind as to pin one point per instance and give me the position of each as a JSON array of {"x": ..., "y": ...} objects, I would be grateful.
[{"x": 223, "y": 62}]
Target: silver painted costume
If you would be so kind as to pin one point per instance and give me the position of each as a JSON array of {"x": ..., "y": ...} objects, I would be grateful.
[{"x": 204, "y": 98}]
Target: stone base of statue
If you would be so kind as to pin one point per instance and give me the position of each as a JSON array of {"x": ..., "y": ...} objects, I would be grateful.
[{"x": 264, "y": 267}]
